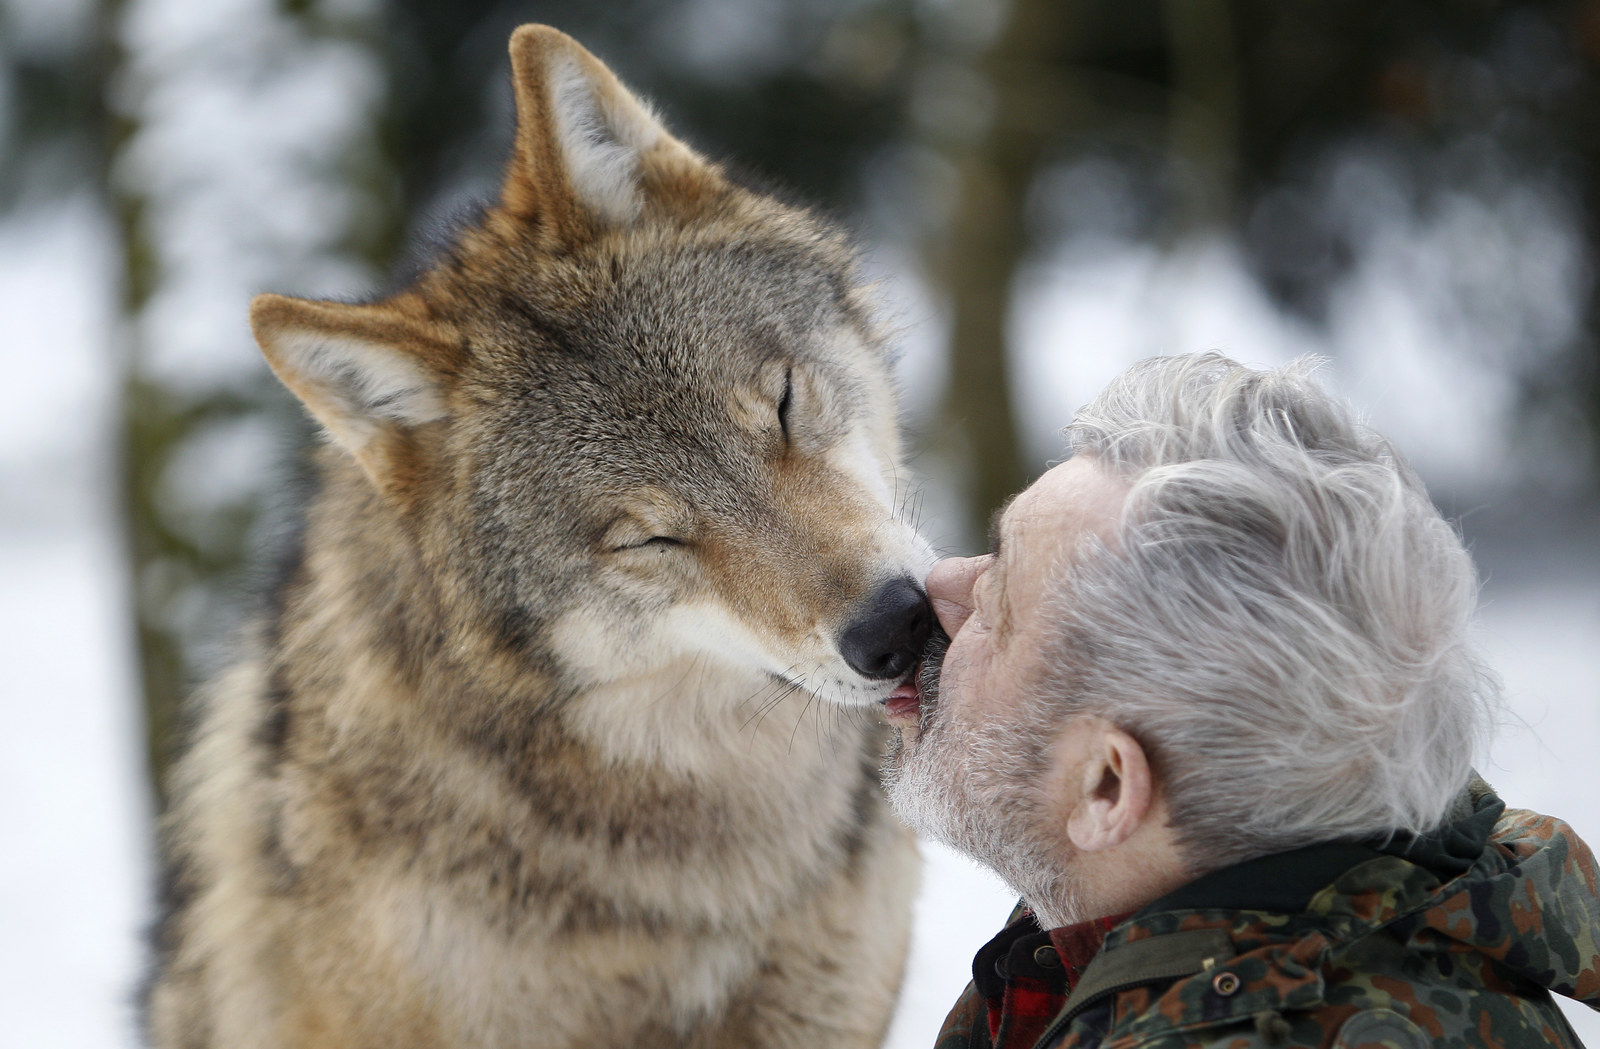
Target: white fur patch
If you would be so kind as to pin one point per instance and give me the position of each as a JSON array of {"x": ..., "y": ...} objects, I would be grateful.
[
  {"x": 597, "y": 645},
  {"x": 862, "y": 461},
  {"x": 601, "y": 140},
  {"x": 691, "y": 691},
  {"x": 366, "y": 382}
]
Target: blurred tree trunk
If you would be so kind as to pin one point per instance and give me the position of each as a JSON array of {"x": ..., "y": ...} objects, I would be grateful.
[
  {"x": 145, "y": 435},
  {"x": 199, "y": 484},
  {"x": 1203, "y": 113},
  {"x": 1571, "y": 394},
  {"x": 986, "y": 239}
]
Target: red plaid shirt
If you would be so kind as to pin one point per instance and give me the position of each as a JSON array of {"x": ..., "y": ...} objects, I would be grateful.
[{"x": 1020, "y": 981}]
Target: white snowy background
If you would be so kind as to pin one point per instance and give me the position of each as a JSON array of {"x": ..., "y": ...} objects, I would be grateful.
[{"x": 76, "y": 866}]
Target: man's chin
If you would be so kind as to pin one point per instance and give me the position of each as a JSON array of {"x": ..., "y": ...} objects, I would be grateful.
[
  {"x": 911, "y": 735},
  {"x": 899, "y": 749},
  {"x": 922, "y": 789}
]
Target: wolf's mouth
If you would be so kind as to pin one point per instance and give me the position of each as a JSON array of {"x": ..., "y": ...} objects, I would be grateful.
[{"x": 904, "y": 704}]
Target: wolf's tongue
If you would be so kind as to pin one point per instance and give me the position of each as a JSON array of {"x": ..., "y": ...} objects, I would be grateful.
[{"x": 905, "y": 700}]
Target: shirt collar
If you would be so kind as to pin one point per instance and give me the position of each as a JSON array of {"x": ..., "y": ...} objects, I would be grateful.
[{"x": 1076, "y": 945}]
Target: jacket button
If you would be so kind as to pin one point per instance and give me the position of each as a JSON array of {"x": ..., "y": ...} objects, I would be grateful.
[
  {"x": 1046, "y": 957},
  {"x": 1225, "y": 984}
]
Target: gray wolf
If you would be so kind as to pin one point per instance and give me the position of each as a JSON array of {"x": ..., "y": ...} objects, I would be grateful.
[
  {"x": 1210, "y": 706},
  {"x": 564, "y": 729}
]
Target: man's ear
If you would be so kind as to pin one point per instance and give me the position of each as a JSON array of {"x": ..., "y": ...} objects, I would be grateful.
[
  {"x": 370, "y": 374},
  {"x": 586, "y": 148},
  {"x": 1111, "y": 790}
]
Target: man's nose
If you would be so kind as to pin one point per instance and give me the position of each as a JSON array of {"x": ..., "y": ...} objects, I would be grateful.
[{"x": 949, "y": 588}]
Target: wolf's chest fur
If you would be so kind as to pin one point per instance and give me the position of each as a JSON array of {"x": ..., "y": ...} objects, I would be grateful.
[{"x": 562, "y": 732}]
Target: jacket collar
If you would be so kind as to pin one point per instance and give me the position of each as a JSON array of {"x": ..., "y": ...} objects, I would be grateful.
[
  {"x": 1282, "y": 883},
  {"x": 1199, "y": 925},
  {"x": 1285, "y": 882},
  {"x": 1151, "y": 947}
]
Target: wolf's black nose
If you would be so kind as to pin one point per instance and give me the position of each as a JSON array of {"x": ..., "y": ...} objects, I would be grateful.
[{"x": 886, "y": 639}]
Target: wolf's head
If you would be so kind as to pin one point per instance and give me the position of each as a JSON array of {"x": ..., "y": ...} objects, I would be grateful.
[{"x": 639, "y": 416}]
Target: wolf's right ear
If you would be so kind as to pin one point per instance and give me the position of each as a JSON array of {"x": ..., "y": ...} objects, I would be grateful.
[
  {"x": 368, "y": 373},
  {"x": 587, "y": 151}
]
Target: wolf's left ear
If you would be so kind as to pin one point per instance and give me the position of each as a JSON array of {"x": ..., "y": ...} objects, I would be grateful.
[
  {"x": 370, "y": 374},
  {"x": 586, "y": 150}
]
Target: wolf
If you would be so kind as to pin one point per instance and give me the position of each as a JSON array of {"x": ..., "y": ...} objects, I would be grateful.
[{"x": 561, "y": 729}]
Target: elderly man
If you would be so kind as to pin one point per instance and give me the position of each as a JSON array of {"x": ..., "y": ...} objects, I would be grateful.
[{"x": 1209, "y": 705}]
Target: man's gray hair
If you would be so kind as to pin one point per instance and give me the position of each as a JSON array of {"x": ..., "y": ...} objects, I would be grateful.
[{"x": 1281, "y": 617}]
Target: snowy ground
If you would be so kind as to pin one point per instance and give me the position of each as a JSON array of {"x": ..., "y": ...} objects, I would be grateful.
[{"x": 75, "y": 878}]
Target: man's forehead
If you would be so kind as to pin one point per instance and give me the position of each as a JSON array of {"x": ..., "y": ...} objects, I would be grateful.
[
  {"x": 1022, "y": 532},
  {"x": 1029, "y": 509},
  {"x": 1055, "y": 510}
]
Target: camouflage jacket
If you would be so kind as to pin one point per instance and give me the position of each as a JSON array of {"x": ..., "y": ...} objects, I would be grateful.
[{"x": 1455, "y": 939}]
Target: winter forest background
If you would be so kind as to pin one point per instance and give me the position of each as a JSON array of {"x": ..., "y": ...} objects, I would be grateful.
[{"x": 1047, "y": 189}]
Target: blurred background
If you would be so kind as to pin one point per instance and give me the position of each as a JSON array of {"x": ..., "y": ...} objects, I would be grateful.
[{"x": 1047, "y": 190}]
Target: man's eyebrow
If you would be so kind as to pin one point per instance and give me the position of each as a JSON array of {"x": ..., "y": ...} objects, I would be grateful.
[
  {"x": 996, "y": 532},
  {"x": 997, "y": 535}
]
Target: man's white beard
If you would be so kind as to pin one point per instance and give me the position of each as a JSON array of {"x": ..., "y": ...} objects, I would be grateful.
[{"x": 977, "y": 788}]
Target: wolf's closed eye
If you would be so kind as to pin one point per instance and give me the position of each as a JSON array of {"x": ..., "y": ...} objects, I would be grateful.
[
  {"x": 664, "y": 542},
  {"x": 785, "y": 403},
  {"x": 650, "y": 526}
]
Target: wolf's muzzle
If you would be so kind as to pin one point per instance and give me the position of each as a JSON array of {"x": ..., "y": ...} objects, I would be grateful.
[{"x": 887, "y": 639}]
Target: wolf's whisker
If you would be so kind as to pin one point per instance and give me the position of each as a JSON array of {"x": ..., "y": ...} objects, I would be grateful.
[
  {"x": 810, "y": 699},
  {"x": 774, "y": 704},
  {"x": 785, "y": 688},
  {"x": 777, "y": 681},
  {"x": 769, "y": 695},
  {"x": 760, "y": 713}
]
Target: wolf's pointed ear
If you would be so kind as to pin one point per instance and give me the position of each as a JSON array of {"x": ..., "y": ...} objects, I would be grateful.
[
  {"x": 369, "y": 373},
  {"x": 585, "y": 146}
]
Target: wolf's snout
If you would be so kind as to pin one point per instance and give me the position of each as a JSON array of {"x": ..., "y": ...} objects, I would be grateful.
[{"x": 886, "y": 640}]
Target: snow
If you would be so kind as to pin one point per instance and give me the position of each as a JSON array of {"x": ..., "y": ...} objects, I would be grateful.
[
  {"x": 74, "y": 886},
  {"x": 959, "y": 907}
]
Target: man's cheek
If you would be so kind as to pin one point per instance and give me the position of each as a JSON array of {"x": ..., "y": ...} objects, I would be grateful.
[{"x": 965, "y": 672}]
